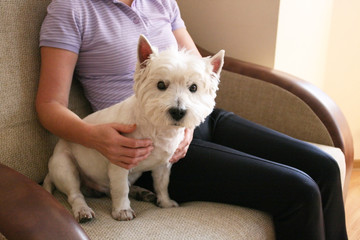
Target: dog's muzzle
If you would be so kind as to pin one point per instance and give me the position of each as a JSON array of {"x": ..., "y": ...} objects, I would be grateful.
[{"x": 177, "y": 114}]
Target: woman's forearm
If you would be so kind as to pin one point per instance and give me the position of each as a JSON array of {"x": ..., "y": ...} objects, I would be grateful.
[{"x": 59, "y": 120}]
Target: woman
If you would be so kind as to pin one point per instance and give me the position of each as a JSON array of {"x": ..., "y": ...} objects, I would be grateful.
[{"x": 227, "y": 159}]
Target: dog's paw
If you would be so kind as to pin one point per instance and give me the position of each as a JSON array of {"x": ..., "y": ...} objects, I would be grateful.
[
  {"x": 167, "y": 203},
  {"x": 142, "y": 194},
  {"x": 123, "y": 215},
  {"x": 84, "y": 214}
]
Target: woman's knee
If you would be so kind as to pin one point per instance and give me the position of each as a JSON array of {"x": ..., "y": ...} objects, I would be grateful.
[
  {"x": 327, "y": 170},
  {"x": 309, "y": 192},
  {"x": 302, "y": 217},
  {"x": 303, "y": 194}
]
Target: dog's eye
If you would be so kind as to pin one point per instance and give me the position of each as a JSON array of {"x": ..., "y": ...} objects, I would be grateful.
[
  {"x": 193, "y": 88},
  {"x": 161, "y": 86}
]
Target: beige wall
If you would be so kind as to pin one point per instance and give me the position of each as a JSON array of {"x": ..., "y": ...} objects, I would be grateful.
[
  {"x": 246, "y": 29},
  {"x": 318, "y": 41},
  {"x": 302, "y": 38},
  {"x": 342, "y": 76}
]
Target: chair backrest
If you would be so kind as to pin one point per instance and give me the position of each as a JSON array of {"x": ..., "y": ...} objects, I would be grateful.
[
  {"x": 272, "y": 106},
  {"x": 25, "y": 145}
]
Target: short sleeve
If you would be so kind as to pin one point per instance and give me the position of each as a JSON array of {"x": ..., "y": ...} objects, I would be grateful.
[
  {"x": 176, "y": 20},
  {"x": 61, "y": 26}
]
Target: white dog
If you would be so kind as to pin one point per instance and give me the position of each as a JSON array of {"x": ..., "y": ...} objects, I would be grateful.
[{"x": 174, "y": 90}]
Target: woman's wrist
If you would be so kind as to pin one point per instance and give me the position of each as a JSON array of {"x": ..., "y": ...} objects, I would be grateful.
[{"x": 86, "y": 134}]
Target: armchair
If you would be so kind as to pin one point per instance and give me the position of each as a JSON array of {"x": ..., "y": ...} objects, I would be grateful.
[{"x": 263, "y": 95}]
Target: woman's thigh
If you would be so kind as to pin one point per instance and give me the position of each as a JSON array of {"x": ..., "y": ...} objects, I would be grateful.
[
  {"x": 212, "y": 172},
  {"x": 228, "y": 129}
]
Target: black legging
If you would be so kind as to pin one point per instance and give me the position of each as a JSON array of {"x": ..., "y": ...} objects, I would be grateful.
[{"x": 232, "y": 160}]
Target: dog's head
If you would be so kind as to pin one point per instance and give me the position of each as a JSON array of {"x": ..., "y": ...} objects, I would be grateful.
[{"x": 176, "y": 88}]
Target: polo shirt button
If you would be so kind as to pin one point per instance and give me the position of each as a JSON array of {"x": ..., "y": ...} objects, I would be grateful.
[{"x": 136, "y": 20}]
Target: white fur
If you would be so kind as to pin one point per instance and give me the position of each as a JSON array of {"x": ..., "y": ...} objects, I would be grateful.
[{"x": 149, "y": 109}]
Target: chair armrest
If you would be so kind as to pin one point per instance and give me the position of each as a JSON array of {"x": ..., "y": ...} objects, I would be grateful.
[
  {"x": 27, "y": 211},
  {"x": 316, "y": 100}
]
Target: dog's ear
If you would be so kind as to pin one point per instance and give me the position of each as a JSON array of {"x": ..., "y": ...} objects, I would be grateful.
[
  {"x": 144, "y": 50},
  {"x": 217, "y": 61}
]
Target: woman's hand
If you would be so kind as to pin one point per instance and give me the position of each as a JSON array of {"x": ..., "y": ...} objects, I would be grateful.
[
  {"x": 118, "y": 149},
  {"x": 183, "y": 146}
]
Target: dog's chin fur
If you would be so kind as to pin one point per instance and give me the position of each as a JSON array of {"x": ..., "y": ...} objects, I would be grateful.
[{"x": 149, "y": 109}]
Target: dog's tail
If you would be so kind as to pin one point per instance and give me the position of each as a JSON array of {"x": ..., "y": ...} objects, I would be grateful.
[{"x": 47, "y": 184}]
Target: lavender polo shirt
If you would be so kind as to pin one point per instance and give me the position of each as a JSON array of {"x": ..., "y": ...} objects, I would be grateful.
[{"x": 104, "y": 34}]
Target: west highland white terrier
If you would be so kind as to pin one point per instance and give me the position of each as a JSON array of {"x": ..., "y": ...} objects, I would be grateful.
[{"x": 174, "y": 90}]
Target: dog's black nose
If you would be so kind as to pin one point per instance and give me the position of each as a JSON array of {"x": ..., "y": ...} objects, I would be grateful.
[{"x": 177, "y": 114}]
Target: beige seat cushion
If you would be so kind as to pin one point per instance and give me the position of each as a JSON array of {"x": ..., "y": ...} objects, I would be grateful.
[{"x": 193, "y": 220}]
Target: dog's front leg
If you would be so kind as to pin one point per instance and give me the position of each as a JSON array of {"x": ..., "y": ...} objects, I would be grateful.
[
  {"x": 161, "y": 177},
  {"x": 119, "y": 189}
]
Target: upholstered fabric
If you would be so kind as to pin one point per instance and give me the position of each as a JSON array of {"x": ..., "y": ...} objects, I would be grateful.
[
  {"x": 194, "y": 220},
  {"x": 270, "y": 106},
  {"x": 25, "y": 145}
]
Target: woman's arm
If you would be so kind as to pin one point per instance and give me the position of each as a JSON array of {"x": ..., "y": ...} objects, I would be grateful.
[
  {"x": 184, "y": 40},
  {"x": 57, "y": 68}
]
